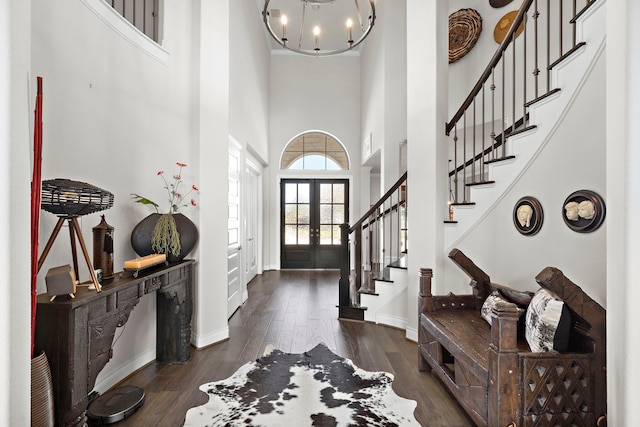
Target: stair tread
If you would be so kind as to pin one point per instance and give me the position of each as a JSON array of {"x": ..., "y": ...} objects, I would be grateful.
[
  {"x": 472, "y": 184},
  {"x": 500, "y": 159}
]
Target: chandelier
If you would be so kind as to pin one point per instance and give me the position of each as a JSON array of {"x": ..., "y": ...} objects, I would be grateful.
[{"x": 319, "y": 27}]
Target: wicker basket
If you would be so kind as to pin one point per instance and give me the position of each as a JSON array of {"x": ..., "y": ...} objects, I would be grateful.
[{"x": 465, "y": 27}]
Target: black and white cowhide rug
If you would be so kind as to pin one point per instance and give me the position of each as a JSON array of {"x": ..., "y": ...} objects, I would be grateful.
[{"x": 315, "y": 388}]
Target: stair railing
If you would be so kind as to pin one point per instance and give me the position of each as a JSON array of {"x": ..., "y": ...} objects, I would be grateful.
[
  {"x": 518, "y": 75},
  {"x": 376, "y": 240}
]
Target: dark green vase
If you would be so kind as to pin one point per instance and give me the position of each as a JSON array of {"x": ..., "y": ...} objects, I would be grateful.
[{"x": 141, "y": 236}]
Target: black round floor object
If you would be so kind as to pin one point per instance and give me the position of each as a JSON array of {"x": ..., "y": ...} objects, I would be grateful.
[{"x": 115, "y": 405}]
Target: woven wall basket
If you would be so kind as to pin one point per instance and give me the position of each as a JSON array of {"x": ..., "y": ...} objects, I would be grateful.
[{"x": 465, "y": 27}]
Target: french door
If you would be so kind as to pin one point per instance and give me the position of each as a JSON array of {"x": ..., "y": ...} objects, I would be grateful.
[{"x": 312, "y": 211}]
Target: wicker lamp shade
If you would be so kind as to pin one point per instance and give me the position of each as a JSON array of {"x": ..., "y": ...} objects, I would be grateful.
[
  {"x": 67, "y": 198},
  {"x": 465, "y": 27}
]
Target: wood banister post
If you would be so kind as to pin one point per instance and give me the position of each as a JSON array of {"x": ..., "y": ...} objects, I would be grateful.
[
  {"x": 424, "y": 296},
  {"x": 357, "y": 256},
  {"x": 503, "y": 391},
  {"x": 343, "y": 292},
  {"x": 425, "y": 304}
]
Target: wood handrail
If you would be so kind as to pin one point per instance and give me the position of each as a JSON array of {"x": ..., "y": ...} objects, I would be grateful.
[
  {"x": 526, "y": 4},
  {"x": 379, "y": 203},
  {"x": 375, "y": 218}
]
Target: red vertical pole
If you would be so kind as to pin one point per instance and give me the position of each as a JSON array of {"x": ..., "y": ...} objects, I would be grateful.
[{"x": 36, "y": 186}]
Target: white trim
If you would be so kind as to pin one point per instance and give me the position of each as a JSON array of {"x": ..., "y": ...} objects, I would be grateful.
[
  {"x": 127, "y": 31},
  {"x": 201, "y": 341},
  {"x": 411, "y": 334},
  {"x": 390, "y": 320},
  {"x": 125, "y": 370}
]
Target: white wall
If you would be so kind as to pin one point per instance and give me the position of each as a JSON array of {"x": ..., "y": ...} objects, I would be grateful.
[
  {"x": 623, "y": 194},
  {"x": 427, "y": 90},
  {"x": 311, "y": 93},
  {"x": 384, "y": 88},
  {"x": 249, "y": 79},
  {"x": 115, "y": 115},
  {"x": 16, "y": 102}
]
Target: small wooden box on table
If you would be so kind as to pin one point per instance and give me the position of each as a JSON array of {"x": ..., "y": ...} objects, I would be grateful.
[
  {"x": 490, "y": 369},
  {"x": 77, "y": 334}
]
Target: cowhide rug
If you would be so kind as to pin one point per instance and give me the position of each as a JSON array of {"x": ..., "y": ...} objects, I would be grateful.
[{"x": 315, "y": 388}]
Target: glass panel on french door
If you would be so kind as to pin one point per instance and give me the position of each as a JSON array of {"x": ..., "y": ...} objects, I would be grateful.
[{"x": 297, "y": 220}]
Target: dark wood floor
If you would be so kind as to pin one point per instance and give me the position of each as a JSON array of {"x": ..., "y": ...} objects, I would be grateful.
[{"x": 293, "y": 311}]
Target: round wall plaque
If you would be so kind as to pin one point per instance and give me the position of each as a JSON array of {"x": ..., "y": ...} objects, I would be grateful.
[{"x": 465, "y": 27}]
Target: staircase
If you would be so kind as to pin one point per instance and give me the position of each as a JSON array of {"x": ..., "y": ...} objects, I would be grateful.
[
  {"x": 387, "y": 304},
  {"x": 378, "y": 242},
  {"x": 501, "y": 128},
  {"x": 489, "y": 152}
]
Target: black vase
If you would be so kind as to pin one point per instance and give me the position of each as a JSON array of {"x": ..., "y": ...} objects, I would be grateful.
[{"x": 141, "y": 236}]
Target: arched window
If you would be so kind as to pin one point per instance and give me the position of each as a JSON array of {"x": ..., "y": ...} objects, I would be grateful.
[{"x": 314, "y": 151}]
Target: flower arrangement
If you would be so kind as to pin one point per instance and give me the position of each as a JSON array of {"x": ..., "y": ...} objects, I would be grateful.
[
  {"x": 176, "y": 200},
  {"x": 165, "y": 237}
]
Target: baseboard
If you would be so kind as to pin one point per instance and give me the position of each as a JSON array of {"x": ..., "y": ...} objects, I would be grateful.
[
  {"x": 201, "y": 341},
  {"x": 393, "y": 321},
  {"x": 104, "y": 384},
  {"x": 412, "y": 334}
]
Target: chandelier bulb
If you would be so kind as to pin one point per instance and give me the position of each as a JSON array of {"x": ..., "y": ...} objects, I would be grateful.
[
  {"x": 283, "y": 20},
  {"x": 270, "y": 17},
  {"x": 316, "y": 33}
]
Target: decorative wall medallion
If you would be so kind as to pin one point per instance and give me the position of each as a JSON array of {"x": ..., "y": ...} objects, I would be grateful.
[
  {"x": 528, "y": 216},
  {"x": 583, "y": 211},
  {"x": 465, "y": 27},
  {"x": 504, "y": 25},
  {"x": 499, "y": 3}
]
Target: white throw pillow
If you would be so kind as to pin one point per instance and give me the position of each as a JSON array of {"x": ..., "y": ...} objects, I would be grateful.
[
  {"x": 548, "y": 323},
  {"x": 491, "y": 301}
]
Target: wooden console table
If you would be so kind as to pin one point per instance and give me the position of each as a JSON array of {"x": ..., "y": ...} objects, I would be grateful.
[{"x": 77, "y": 334}]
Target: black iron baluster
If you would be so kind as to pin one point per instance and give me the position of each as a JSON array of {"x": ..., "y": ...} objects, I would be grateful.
[
  {"x": 464, "y": 157},
  {"x": 455, "y": 162},
  {"x": 548, "y": 46},
  {"x": 493, "y": 113},
  {"x": 482, "y": 158},
  {"x": 473, "y": 164},
  {"x": 503, "y": 139},
  {"x": 536, "y": 70}
]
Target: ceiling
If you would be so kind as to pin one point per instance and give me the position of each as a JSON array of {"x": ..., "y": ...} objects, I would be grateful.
[{"x": 330, "y": 15}]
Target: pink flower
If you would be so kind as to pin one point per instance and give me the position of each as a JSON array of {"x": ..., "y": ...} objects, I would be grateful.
[{"x": 176, "y": 200}]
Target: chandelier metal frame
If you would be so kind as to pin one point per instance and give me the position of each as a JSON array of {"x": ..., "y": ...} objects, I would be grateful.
[{"x": 351, "y": 44}]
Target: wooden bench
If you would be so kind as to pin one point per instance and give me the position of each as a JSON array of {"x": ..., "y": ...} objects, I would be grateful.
[{"x": 490, "y": 369}]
